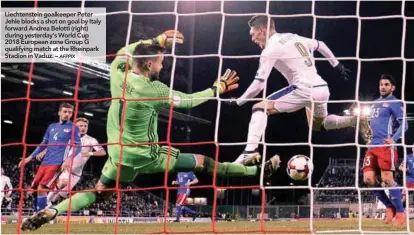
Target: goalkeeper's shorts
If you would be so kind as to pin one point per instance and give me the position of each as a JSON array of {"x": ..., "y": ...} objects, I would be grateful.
[{"x": 128, "y": 173}]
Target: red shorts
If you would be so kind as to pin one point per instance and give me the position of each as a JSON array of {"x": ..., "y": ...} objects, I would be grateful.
[
  {"x": 46, "y": 176},
  {"x": 410, "y": 185},
  {"x": 181, "y": 199},
  {"x": 384, "y": 158}
]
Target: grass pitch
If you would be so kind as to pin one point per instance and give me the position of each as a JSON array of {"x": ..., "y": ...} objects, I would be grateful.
[{"x": 299, "y": 226}]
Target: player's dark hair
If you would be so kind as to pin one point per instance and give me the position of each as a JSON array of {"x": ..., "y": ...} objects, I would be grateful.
[
  {"x": 389, "y": 78},
  {"x": 261, "y": 21},
  {"x": 65, "y": 105},
  {"x": 146, "y": 50}
]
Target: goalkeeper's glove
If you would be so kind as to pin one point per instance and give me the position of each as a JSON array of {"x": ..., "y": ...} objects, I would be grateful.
[
  {"x": 167, "y": 39},
  {"x": 228, "y": 82},
  {"x": 343, "y": 72}
]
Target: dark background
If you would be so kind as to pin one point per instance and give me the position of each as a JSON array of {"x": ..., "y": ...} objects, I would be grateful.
[{"x": 379, "y": 39}]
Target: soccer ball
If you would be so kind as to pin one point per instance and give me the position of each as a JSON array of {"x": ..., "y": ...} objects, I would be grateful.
[{"x": 299, "y": 167}]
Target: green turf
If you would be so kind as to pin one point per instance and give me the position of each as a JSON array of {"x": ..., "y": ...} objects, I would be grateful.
[{"x": 301, "y": 226}]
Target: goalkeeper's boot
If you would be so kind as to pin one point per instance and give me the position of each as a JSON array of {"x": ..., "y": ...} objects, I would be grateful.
[
  {"x": 271, "y": 166},
  {"x": 400, "y": 219},
  {"x": 249, "y": 158},
  {"x": 36, "y": 221},
  {"x": 390, "y": 213}
]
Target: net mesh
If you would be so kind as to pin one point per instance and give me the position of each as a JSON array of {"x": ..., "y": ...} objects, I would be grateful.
[{"x": 215, "y": 142}]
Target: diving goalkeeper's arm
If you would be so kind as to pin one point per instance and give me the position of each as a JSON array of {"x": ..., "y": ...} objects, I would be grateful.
[
  {"x": 164, "y": 40},
  {"x": 228, "y": 81}
]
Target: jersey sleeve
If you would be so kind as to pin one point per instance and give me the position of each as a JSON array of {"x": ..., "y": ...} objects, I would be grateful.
[
  {"x": 397, "y": 110},
  {"x": 77, "y": 142},
  {"x": 193, "y": 176},
  {"x": 322, "y": 48},
  {"x": 267, "y": 61},
  {"x": 96, "y": 145},
  {"x": 180, "y": 99},
  {"x": 312, "y": 44},
  {"x": 45, "y": 140}
]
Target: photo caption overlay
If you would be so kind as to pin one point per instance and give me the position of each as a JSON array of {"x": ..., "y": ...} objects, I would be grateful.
[{"x": 53, "y": 34}]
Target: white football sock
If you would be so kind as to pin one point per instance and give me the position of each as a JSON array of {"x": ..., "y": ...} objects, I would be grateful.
[
  {"x": 51, "y": 196},
  {"x": 257, "y": 126},
  {"x": 338, "y": 122}
]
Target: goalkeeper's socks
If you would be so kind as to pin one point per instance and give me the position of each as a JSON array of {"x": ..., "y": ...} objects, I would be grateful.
[
  {"x": 395, "y": 195},
  {"x": 257, "y": 127},
  {"x": 188, "y": 210},
  {"x": 179, "y": 208},
  {"x": 41, "y": 202},
  {"x": 78, "y": 201},
  {"x": 382, "y": 196}
]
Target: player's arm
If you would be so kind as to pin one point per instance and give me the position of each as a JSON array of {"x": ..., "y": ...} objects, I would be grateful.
[
  {"x": 397, "y": 110},
  {"x": 193, "y": 178},
  {"x": 10, "y": 186},
  {"x": 99, "y": 150},
  {"x": 321, "y": 47},
  {"x": 77, "y": 142},
  {"x": 228, "y": 82},
  {"x": 258, "y": 84},
  {"x": 39, "y": 148},
  {"x": 165, "y": 39}
]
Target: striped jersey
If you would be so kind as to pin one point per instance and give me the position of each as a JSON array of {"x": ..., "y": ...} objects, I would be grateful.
[
  {"x": 386, "y": 117},
  {"x": 59, "y": 137},
  {"x": 183, "y": 178}
]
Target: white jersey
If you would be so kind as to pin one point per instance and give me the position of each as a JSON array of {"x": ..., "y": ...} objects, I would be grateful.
[
  {"x": 5, "y": 181},
  {"x": 79, "y": 161},
  {"x": 292, "y": 56}
]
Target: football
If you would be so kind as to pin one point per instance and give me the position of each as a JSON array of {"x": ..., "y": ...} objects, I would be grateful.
[{"x": 299, "y": 167}]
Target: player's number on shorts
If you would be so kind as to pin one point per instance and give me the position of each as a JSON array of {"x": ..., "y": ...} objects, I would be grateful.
[
  {"x": 367, "y": 161},
  {"x": 304, "y": 52}
]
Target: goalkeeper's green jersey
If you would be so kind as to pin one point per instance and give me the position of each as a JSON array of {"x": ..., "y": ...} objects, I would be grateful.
[{"x": 140, "y": 119}]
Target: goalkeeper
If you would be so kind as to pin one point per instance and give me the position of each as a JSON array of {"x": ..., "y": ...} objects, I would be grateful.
[{"x": 141, "y": 153}]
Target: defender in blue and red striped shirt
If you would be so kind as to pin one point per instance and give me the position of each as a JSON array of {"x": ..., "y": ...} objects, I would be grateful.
[{"x": 386, "y": 123}]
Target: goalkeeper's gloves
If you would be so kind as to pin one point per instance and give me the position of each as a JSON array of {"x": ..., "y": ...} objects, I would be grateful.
[
  {"x": 228, "y": 82},
  {"x": 167, "y": 39},
  {"x": 343, "y": 72}
]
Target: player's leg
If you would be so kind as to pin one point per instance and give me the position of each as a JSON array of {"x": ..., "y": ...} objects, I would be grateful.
[
  {"x": 387, "y": 161},
  {"x": 370, "y": 165},
  {"x": 53, "y": 196},
  {"x": 181, "y": 199},
  {"x": 278, "y": 102},
  {"x": 321, "y": 120},
  {"x": 81, "y": 200},
  {"x": 200, "y": 163},
  {"x": 175, "y": 162}
]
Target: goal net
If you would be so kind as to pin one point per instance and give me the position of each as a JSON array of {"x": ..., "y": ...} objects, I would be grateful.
[{"x": 225, "y": 42}]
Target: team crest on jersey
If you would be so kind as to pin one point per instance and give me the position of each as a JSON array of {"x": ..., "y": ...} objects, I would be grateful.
[
  {"x": 67, "y": 130},
  {"x": 53, "y": 129},
  {"x": 385, "y": 105}
]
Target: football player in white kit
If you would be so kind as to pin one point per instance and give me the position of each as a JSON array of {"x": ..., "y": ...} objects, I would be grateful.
[
  {"x": 79, "y": 162},
  {"x": 5, "y": 180},
  {"x": 291, "y": 55}
]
